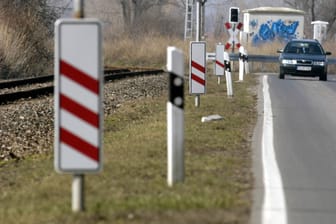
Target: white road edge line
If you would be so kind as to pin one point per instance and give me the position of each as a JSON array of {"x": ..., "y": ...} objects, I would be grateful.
[{"x": 274, "y": 205}]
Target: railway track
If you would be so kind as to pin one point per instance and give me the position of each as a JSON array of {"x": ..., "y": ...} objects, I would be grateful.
[{"x": 14, "y": 90}]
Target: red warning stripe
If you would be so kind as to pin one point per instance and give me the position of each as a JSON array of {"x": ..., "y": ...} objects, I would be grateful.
[
  {"x": 239, "y": 26},
  {"x": 227, "y": 25},
  {"x": 198, "y": 66},
  {"x": 79, "y": 77},
  {"x": 79, "y": 144},
  {"x": 79, "y": 111},
  {"x": 220, "y": 64},
  {"x": 198, "y": 79}
]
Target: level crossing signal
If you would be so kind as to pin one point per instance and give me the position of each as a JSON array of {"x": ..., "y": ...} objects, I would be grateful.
[{"x": 233, "y": 15}]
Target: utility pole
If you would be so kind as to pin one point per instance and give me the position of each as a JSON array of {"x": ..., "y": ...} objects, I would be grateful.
[
  {"x": 189, "y": 20},
  {"x": 203, "y": 19},
  {"x": 198, "y": 20}
]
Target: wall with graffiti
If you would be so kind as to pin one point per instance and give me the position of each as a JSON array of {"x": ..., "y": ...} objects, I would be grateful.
[
  {"x": 266, "y": 28},
  {"x": 275, "y": 30}
]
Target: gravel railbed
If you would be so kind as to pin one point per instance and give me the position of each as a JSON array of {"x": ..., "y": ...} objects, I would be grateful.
[
  {"x": 27, "y": 126},
  {"x": 25, "y": 87}
]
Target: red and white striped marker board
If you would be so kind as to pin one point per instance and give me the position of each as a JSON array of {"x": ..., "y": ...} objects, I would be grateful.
[
  {"x": 197, "y": 71},
  {"x": 78, "y": 95},
  {"x": 219, "y": 66}
]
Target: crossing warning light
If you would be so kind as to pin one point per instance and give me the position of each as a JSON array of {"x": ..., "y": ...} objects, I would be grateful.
[{"x": 233, "y": 14}]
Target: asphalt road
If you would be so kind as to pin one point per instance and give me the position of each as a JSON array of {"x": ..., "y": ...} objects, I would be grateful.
[{"x": 304, "y": 130}]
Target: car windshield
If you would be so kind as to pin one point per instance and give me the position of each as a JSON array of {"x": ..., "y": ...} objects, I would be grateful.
[{"x": 303, "y": 48}]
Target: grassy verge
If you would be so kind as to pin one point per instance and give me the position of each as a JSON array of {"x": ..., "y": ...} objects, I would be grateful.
[{"x": 132, "y": 187}]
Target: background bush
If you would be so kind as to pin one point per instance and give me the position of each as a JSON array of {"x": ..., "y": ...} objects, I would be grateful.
[{"x": 26, "y": 38}]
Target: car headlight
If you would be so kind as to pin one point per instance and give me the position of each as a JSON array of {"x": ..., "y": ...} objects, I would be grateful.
[
  {"x": 319, "y": 63},
  {"x": 288, "y": 62}
]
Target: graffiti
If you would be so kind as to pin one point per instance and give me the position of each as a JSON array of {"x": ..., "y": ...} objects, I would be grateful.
[
  {"x": 278, "y": 30},
  {"x": 254, "y": 23}
]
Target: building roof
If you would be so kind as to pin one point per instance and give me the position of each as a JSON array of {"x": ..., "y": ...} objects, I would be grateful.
[{"x": 272, "y": 10}]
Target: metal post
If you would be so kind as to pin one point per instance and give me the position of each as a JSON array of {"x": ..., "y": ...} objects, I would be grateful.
[
  {"x": 202, "y": 20},
  {"x": 78, "y": 193},
  {"x": 198, "y": 37},
  {"x": 198, "y": 20},
  {"x": 79, "y": 8},
  {"x": 233, "y": 42},
  {"x": 78, "y": 179}
]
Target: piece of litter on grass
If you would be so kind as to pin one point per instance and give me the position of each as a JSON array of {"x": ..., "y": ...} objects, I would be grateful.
[{"x": 214, "y": 117}]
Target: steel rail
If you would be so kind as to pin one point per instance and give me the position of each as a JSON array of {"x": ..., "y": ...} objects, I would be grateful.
[
  {"x": 47, "y": 78},
  {"x": 48, "y": 90}
]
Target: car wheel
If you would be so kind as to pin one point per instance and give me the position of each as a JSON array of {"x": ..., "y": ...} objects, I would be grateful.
[
  {"x": 282, "y": 76},
  {"x": 323, "y": 77}
]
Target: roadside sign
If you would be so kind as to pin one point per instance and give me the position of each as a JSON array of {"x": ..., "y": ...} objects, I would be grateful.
[
  {"x": 233, "y": 32},
  {"x": 197, "y": 67},
  {"x": 175, "y": 117},
  {"x": 219, "y": 66},
  {"x": 78, "y": 96}
]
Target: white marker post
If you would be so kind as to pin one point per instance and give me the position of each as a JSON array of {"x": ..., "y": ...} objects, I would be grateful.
[
  {"x": 219, "y": 62},
  {"x": 175, "y": 116},
  {"x": 247, "y": 68},
  {"x": 78, "y": 100},
  {"x": 241, "y": 63},
  {"x": 228, "y": 74},
  {"x": 197, "y": 71}
]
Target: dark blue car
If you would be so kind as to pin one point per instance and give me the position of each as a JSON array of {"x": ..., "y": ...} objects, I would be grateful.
[{"x": 303, "y": 58}]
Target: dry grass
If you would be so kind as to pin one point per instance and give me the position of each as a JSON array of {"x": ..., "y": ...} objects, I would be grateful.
[
  {"x": 132, "y": 186},
  {"x": 150, "y": 51},
  {"x": 147, "y": 50}
]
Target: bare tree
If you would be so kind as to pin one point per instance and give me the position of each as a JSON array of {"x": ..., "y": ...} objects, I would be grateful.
[
  {"x": 136, "y": 11},
  {"x": 324, "y": 10}
]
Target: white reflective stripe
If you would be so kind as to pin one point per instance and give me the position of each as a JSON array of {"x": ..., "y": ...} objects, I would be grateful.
[
  {"x": 79, "y": 128},
  {"x": 197, "y": 87},
  {"x": 74, "y": 37},
  {"x": 219, "y": 70},
  {"x": 72, "y": 159},
  {"x": 198, "y": 73},
  {"x": 198, "y": 53},
  {"x": 79, "y": 94}
]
